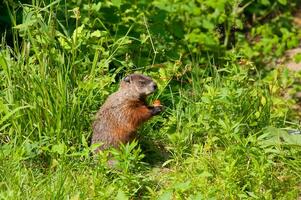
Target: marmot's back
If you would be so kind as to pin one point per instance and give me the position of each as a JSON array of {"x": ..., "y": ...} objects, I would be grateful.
[{"x": 123, "y": 112}]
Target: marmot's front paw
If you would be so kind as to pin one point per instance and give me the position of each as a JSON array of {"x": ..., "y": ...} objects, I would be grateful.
[
  {"x": 157, "y": 107},
  {"x": 156, "y": 110}
]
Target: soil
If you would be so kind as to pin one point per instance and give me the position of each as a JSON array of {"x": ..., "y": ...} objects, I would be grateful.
[{"x": 290, "y": 62}]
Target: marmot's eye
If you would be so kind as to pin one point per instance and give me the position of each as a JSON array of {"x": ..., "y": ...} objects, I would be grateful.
[
  {"x": 127, "y": 79},
  {"x": 142, "y": 82}
]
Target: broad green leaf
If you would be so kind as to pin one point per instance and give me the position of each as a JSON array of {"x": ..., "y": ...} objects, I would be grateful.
[
  {"x": 168, "y": 195},
  {"x": 116, "y": 3},
  {"x": 59, "y": 148},
  {"x": 283, "y": 2},
  {"x": 121, "y": 195},
  {"x": 96, "y": 33}
]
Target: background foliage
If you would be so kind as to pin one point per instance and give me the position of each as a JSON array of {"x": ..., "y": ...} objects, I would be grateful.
[{"x": 223, "y": 133}]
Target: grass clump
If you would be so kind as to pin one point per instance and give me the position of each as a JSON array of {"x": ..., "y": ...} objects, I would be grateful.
[{"x": 223, "y": 134}]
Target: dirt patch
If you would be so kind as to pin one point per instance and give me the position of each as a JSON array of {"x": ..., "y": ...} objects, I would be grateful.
[
  {"x": 291, "y": 63},
  {"x": 289, "y": 58}
]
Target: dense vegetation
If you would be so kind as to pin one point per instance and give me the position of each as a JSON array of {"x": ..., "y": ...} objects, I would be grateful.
[{"x": 228, "y": 102}]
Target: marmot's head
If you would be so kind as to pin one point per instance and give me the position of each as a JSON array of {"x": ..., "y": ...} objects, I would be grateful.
[{"x": 138, "y": 85}]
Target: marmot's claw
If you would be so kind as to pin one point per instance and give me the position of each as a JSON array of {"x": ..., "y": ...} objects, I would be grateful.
[{"x": 157, "y": 109}]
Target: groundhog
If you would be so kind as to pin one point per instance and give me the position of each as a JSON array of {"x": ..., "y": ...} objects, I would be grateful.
[{"x": 124, "y": 111}]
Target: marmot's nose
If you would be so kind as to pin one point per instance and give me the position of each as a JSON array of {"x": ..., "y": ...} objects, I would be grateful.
[{"x": 155, "y": 86}]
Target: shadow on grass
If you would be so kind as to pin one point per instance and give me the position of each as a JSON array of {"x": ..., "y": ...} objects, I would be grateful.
[{"x": 154, "y": 151}]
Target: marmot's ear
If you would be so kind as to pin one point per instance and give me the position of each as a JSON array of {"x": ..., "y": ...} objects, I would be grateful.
[{"x": 127, "y": 79}]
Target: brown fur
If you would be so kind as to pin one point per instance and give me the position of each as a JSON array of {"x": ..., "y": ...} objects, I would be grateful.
[{"x": 124, "y": 111}]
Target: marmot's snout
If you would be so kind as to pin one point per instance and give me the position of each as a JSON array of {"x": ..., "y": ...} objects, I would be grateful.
[
  {"x": 148, "y": 89},
  {"x": 152, "y": 88}
]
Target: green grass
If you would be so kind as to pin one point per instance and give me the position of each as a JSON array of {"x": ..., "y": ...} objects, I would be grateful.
[{"x": 222, "y": 134}]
